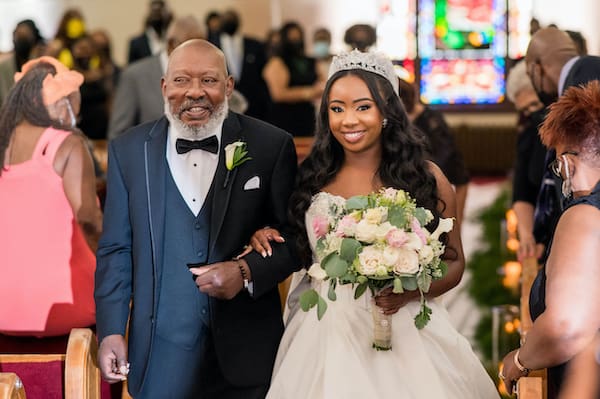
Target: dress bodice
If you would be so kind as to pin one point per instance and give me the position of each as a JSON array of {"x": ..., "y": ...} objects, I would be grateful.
[{"x": 537, "y": 297}]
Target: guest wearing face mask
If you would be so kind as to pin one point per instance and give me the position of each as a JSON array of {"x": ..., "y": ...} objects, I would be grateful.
[
  {"x": 152, "y": 40},
  {"x": 294, "y": 83},
  {"x": 246, "y": 59},
  {"x": 529, "y": 166},
  {"x": 322, "y": 50},
  {"x": 28, "y": 43},
  {"x": 95, "y": 94},
  {"x": 70, "y": 28}
]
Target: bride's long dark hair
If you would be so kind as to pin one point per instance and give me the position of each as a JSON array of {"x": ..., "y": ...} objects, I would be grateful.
[{"x": 403, "y": 164}]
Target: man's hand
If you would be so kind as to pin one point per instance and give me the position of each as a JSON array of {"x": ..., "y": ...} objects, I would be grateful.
[
  {"x": 221, "y": 280},
  {"x": 112, "y": 358}
]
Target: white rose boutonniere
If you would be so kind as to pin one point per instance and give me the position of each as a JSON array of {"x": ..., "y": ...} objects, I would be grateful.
[{"x": 235, "y": 155}]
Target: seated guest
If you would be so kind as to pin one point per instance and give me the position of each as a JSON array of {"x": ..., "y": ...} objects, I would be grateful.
[
  {"x": 51, "y": 220},
  {"x": 565, "y": 295}
]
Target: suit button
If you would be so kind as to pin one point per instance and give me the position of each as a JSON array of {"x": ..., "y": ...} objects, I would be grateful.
[
  {"x": 200, "y": 253},
  {"x": 203, "y": 310},
  {"x": 197, "y": 226}
]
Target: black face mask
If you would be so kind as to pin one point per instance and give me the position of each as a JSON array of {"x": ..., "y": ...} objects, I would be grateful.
[
  {"x": 158, "y": 24},
  {"x": 229, "y": 27},
  {"x": 23, "y": 48},
  {"x": 83, "y": 63},
  {"x": 546, "y": 98},
  {"x": 294, "y": 47},
  {"x": 536, "y": 118}
]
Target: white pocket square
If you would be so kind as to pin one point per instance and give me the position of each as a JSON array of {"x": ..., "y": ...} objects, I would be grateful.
[{"x": 252, "y": 184}]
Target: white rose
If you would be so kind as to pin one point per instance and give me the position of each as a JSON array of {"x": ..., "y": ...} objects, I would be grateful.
[
  {"x": 369, "y": 260},
  {"x": 408, "y": 262},
  {"x": 444, "y": 226},
  {"x": 375, "y": 215},
  {"x": 382, "y": 231},
  {"x": 365, "y": 232},
  {"x": 414, "y": 242},
  {"x": 426, "y": 254},
  {"x": 317, "y": 272},
  {"x": 391, "y": 255}
]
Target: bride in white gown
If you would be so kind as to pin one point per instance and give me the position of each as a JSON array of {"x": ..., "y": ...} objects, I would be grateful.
[{"x": 364, "y": 142}]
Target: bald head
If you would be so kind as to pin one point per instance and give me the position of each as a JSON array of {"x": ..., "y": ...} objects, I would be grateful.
[
  {"x": 201, "y": 46},
  {"x": 551, "y": 47},
  {"x": 183, "y": 29}
]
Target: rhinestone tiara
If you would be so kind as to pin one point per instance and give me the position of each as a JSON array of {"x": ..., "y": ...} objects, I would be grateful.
[{"x": 368, "y": 61}]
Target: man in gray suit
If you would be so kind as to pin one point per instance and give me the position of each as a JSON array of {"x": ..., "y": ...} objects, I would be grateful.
[{"x": 139, "y": 98}]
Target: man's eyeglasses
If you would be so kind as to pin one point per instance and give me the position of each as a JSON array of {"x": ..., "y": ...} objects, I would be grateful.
[{"x": 556, "y": 165}]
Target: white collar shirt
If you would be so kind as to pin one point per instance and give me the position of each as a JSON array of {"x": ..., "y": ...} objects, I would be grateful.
[
  {"x": 155, "y": 43},
  {"x": 193, "y": 172},
  {"x": 564, "y": 72},
  {"x": 233, "y": 48}
]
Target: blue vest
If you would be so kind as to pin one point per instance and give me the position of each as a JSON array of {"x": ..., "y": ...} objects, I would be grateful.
[{"x": 182, "y": 308}]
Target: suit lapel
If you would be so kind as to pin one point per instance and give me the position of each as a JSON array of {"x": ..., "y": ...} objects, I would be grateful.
[
  {"x": 222, "y": 185},
  {"x": 155, "y": 167}
]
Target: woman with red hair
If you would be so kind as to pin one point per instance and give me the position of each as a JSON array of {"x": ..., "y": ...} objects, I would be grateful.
[{"x": 565, "y": 296}]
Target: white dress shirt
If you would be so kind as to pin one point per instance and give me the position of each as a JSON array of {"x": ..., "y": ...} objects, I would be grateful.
[
  {"x": 564, "y": 72},
  {"x": 193, "y": 171},
  {"x": 154, "y": 41},
  {"x": 233, "y": 48}
]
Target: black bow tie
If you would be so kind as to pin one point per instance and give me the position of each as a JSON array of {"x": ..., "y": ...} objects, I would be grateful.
[{"x": 210, "y": 144}]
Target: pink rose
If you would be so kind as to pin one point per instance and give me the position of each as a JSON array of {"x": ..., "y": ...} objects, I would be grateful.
[
  {"x": 396, "y": 238},
  {"x": 320, "y": 226},
  {"x": 418, "y": 230},
  {"x": 346, "y": 226}
]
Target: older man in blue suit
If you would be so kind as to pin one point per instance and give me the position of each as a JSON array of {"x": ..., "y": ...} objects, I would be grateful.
[{"x": 173, "y": 203}]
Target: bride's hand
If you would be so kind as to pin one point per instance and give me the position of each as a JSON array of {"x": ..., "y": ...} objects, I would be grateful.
[
  {"x": 260, "y": 242},
  {"x": 390, "y": 302}
]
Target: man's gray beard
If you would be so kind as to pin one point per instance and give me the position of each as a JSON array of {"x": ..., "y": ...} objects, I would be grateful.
[{"x": 196, "y": 132}]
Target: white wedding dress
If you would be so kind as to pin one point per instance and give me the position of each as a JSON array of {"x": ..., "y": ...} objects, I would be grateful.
[{"x": 332, "y": 358}]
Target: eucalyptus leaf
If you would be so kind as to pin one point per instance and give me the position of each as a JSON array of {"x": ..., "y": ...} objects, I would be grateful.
[
  {"x": 360, "y": 289},
  {"x": 331, "y": 293},
  {"x": 421, "y": 216},
  {"x": 334, "y": 265},
  {"x": 308, "y": 299},
  {"x": 321, "y": 308},
  {"x": 357, "y": 202},
  {"x": 349, "y": 249},
  {"x": 397, "y": 217},
  {"x": 409, "y": 283},
  {"x": 362, "y": 279},
  {"x": 423, "y": 317}
]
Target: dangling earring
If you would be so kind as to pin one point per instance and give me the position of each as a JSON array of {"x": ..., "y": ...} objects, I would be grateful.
[
  {"x": 566, "y": 187},
  {"x": 384, "y": 123}
]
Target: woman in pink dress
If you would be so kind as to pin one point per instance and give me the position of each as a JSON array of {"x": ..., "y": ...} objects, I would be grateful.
[{"x": 51, "y": 219}]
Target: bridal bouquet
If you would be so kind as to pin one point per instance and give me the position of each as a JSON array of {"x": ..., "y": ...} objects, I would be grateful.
[{"x": 375, "y": 241}]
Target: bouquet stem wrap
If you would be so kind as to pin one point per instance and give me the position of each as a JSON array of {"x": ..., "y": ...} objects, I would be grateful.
[{"x": 382, "y": 328}]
